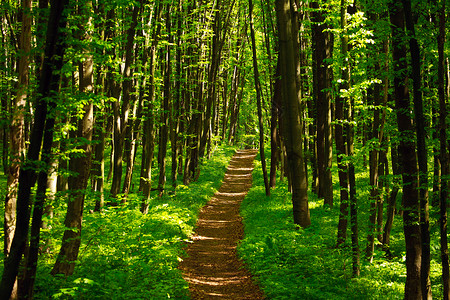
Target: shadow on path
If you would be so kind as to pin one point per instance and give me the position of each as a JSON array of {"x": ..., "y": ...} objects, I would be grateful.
[{"x": 212, "y": 267}]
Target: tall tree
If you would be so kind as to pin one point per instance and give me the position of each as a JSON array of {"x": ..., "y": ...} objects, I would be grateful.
[
  {"x": 165, "y": 109},
  {"x": 122, "y": 109},
  {"x": 48, "y": 85},
  {"x": 17, "y": 127},
  {"x": 291, "y": 111},
  {"x": 341, "y": 149},
  {"x": 80, "y": 165},
  {"x": 407, "y": 154},
  {"x": 444, "y": 153},
  {"x": 258, "y": 99},
  {"x": 322, "y": 49},
  {"x": 422, "y": 156}
]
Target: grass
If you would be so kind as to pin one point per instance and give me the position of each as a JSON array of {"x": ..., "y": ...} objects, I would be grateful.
[
  {"x": 127, "y": 255},
  {"x": 296, "y": 263}
]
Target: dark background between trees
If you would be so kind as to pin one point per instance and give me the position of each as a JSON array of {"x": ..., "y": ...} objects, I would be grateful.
[{"x": 100, "y": 98}]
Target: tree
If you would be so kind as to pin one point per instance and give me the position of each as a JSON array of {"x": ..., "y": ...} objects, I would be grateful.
[
  {"x": 80, "y": 165},
  {"x": 17, "y": 127},
  {"x": 122, "y": 110},
  {"x": 444, "y": 156},
  {"x": 322, "y": 50},
  {"x": 292, "y": 132},
  {"x": 341, "y": 149},
  {"x": 258, "y": 99},
  {"x": 48, "y": 84},
  {"x": 422, "y": 156},
  {"x": 408, "y": 158}
]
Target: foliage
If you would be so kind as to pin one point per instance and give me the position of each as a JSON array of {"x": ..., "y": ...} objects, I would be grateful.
[
  {"x": 125, "y": 254},
  {"x": 294, "y": 263}
]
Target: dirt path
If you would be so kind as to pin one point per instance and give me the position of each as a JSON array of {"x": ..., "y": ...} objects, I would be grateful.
[{"x": 212, "y": 268}]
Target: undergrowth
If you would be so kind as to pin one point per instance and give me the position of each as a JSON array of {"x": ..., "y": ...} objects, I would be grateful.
[
  {"x": 127, "y": 255},
  {"x": 294, "y": 263}
]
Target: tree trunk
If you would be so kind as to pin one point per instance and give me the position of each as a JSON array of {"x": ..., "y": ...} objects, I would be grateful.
[
  {"x": 407, "y": 154},
  {"x": 341, "y": 149},
  {"x": 274, "y": 127},
  {"x": 148, "y": 143},
  {"x": 322, "y": 45},
  {"x": 121, "y": 112},
  {"x": 392, "y": 199},
  {"x": 17, "y": 127},
  {"x": 48, "y": 84},
  {"x": 165, "y": 110},
  {"x": 258, "y": 99},
  {"x": 444, "y": 156},
  {"x": 422, "y": 156},
  {"x": 79, "y": 165},
  {"x": 291, "y": 113}
]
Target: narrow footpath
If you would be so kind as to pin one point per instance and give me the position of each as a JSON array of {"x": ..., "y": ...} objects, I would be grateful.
[{"x": 212, "y": 267}]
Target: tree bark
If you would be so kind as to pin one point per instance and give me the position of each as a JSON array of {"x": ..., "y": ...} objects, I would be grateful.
[
  {"x": 122, "y": 111},
  {"x": 422, "y": 156},
  {"x": 322, "y": 45},
  {"x": 80, "y": 166},
  {"x": 291, "y": 113},
  {"x": 165, "y": 110},
  {"x": 274, "y": 127},
  {"x": 148, "y": 146},
  {"x": 341, "y": 149},
  {"x": 258, "y": 100},
  {"x": 444, "y": 155},
  {"x": 48, "y": 84},
  {"x": 407, "y": 154},
  {"x": 17, "y": 127}
]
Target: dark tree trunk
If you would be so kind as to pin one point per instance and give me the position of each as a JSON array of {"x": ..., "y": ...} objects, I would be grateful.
[
  {"x": 341, "y": 149},
  {"x": 392, "y": 199},
  {"x": 122, "y": 111},
  {"x": 148, "y": 144},
  {"x": 322, "y": 45},
  {"x": 258, "y": 99},
  {"x": 17, "y": 127},
  {"x": 407, "y": 155},
  {"x": 80, "y": 165},
  {"x": 444, "y": 156},
  {"x": 48, "y": 84},
  {"x": 422, "y": 156},
  {"x": 291, "y": 112},
  {"x": 164, "y": 130},
  {"x": 274, "y": 127}
]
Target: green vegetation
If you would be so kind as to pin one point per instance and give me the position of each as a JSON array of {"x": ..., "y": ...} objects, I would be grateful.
[
  {"x": 294, "y": 263},
  {"x": 125, "y": 254}
]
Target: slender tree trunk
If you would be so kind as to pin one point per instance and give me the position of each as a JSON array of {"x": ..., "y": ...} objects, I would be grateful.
[
  {"x": 99, "y": 159},
  {"x": 274, "y": 127},
  {"x": 291, "y": 113},
  {"x": 80, "y": 165},
  {"x": 422, "y": 157},
  {"x": 258, "y": 99},
  {"x": 444, "y": 156},
  {"x": 121, "y": 112},
  {"x": 322, "y": 44},
  {"x": 176, "y": 109},
  {"x": 48, "y": 84},
  {"x": 392, "y": 199},
  {"x": 341, "y": 149},
  {"x": 164, "y": 130},
  {"x": 408, "y": 158},
  {"x": 17, "y": 127},
  {"x": 148, "y": 146},
  {"x": 26, "y": 285}
]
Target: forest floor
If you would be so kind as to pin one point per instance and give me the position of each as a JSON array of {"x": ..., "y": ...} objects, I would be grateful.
[{"x": 212, "y": 267}]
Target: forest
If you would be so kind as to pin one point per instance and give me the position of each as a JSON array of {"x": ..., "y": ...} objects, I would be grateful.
[{"x": 118, "y": 120}]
